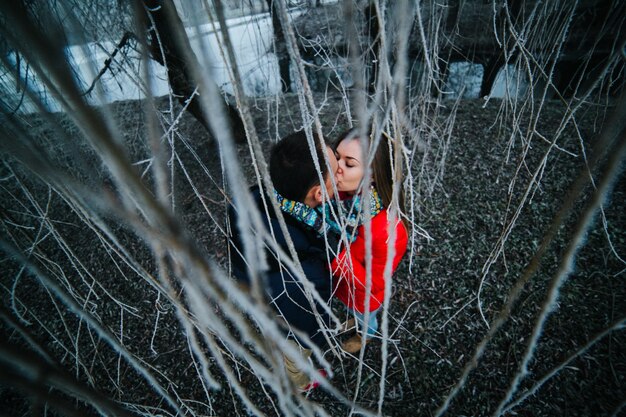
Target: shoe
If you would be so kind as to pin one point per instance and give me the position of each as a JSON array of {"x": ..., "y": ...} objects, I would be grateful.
[
  {"x": 315, "y": 383},
  {"x": 348, "y": 325},
  {"x": 353, "y": 344}
]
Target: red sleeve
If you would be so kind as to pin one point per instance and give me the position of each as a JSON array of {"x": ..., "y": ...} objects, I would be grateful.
[{"x": 352, "y": 266}]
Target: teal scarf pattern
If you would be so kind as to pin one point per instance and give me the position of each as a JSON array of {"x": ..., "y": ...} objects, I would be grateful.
[
  {"x": 307, "y": 215},
  {"x": 324, "y": 223},
  {"x": 353, "y": 214}
]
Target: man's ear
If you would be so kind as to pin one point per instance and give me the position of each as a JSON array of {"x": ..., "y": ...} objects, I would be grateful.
[
  {"x": 314, "y": 196},
  {"x": 319, "y": 196}
]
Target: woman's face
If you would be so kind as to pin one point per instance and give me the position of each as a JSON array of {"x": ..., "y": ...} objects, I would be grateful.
[{"x": 351, "y": 165}]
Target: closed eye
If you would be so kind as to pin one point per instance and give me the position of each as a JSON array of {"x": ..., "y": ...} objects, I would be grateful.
[{"x": 351, "y": 162}]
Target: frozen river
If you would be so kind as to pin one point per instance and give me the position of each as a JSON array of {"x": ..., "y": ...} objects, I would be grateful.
[{"x": 258, "y": 65}]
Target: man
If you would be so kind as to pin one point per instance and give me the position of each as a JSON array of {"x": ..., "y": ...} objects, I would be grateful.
[{"x": 299, "y": 192}]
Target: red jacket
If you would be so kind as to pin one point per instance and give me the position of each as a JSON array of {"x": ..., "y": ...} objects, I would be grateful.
[{"x": 349, "y": 270}]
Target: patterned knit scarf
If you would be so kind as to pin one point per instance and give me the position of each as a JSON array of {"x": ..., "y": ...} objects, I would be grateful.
[
  {"x": 353, "y": 216},
  {"x": 324, "y": 223},
  {"x": 305, "y": 214}
]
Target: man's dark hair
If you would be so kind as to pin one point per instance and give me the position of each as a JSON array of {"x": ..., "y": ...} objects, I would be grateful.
[{"x": 292, "y": 168}]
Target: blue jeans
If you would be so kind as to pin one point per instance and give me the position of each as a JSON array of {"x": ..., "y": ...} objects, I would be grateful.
[{"x": 372, "y": 325}]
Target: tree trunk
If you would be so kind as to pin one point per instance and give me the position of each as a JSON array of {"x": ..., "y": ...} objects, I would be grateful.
[
  {"x": 280, "y": 47},
  {"x": 168, "y": 49},
  {"x": 373, "y": 50},
  {"x": 491, "y": 68}
]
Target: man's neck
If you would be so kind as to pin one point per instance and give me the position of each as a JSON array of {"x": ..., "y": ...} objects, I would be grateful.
[{"x": 310, "y": 201}]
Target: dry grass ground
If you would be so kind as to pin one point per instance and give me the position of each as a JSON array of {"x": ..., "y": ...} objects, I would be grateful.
[{"x": 434, "y": 316}]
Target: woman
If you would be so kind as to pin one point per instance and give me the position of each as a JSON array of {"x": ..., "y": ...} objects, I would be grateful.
[{"x": 349, "y": 267}]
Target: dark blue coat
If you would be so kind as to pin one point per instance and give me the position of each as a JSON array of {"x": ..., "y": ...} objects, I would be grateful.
[{"x": 284, "y": 288}]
